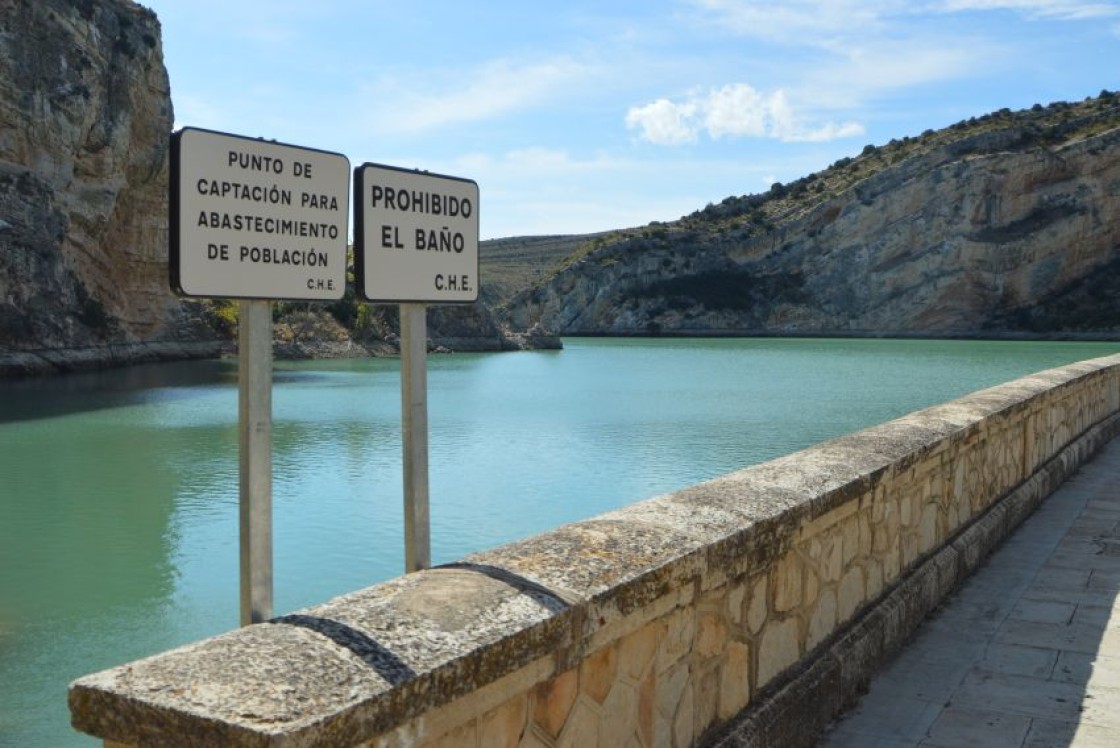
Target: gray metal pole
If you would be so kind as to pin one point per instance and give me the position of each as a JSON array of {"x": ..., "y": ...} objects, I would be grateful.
[
  {"x": 414, "y": 415},
  {"x": 254, "y": 374}
]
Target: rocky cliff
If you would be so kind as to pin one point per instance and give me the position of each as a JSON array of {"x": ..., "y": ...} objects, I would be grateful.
[
  {"x": 85, "y": 118},
  {"x": 83, "y": 188},
  {"x": 1007, "y": 225}
]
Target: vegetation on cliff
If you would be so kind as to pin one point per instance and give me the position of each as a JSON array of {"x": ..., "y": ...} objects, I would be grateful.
[{"x": 749, "y": 263}]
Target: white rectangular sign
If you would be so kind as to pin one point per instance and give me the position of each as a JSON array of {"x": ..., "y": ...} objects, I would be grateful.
[
  {"x": 415, "y": 236},
  {"x": 256, "y": 219}
]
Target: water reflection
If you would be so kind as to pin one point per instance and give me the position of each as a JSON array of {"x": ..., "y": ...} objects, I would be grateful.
[{"x": 53, "y": 397}]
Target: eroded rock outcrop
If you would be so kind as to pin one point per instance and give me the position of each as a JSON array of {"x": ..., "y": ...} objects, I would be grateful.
[
  {"x": 1006, "y": 226},
  {"x": 85, "y": 118},
  {"x": 83, "y": 188}
]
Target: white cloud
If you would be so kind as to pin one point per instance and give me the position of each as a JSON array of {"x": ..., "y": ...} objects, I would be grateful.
[
  {"x": 810, "y": 22},
  {"x": 734, "y": 110},
  {"x": 891, "y": 65},
  {"x": 864, "y": 72},
  {"x": 802, "y": 21},
  {"x": 767, "y": 20},
  {"x": 525, "y": 189},
  {"x": 494, "y": 89},
  {"x": 842, "y": 54},
  {"x": 664, "y": 122},
  {"x": 738, "y": 109},
  {"x": 1065, "y": 10}
]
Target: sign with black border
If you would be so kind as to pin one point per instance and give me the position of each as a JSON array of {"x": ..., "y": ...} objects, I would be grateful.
[
  {"x": 415, "y": 236},
  {"x": 257, "y": 219}
]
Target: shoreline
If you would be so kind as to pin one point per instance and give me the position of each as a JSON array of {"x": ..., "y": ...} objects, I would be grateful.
[{"x": 19, "y": 364}]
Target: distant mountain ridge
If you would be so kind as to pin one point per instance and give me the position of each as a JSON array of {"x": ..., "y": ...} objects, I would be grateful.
[{"x": 1002, "y": 225}]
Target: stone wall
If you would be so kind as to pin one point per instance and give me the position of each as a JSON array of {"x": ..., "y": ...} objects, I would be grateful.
[{"x": 746, "y": 610}]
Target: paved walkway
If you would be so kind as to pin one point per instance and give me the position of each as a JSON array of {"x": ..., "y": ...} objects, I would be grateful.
[{"x": 1027, "y": 652}]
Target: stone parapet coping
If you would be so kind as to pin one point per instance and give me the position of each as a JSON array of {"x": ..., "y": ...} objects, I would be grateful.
[{"x": 499, "y": 623}]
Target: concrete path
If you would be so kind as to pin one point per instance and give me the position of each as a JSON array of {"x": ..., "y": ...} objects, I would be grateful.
[{"x": 1027, "y": 652}]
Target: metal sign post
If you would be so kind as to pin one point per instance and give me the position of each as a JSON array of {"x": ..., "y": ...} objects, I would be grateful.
[
  {"x": 415, "y": 243},
  {"x": 254, "y": 375},
  {"x": 256, "y": 220},
  {"x": 414, "y": 417}
]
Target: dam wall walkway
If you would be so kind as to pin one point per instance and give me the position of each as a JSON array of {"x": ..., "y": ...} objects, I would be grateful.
[{"x": 1027, "y": 652}]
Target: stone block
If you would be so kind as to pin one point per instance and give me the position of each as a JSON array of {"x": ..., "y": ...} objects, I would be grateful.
[
  {"x": 893, "y": 522},
  {"x": 582, "y": 727},
  {"x": 828, "y": 520},
  {"x": 928, "y": 528},
  {"x": 757, "y": 609},
  {"x": 892, "y": 564},
  {"x": 636, "y": 651},
  {"x": 597, "y": 674},
  {"x": 734, "y": 687},
  {"x": 850, "y": 539},
  {"x": 553, "y": 700},
  {"x": 879, "y": 505},
  {"x": 711, "y": 635},
  {"x": 833, "y": 562},
  {"x": 811, "y": 590},
  {"x": 874, "y": 579},
  {"x": 735, "y": 597},
  {"x": 823, "y": 621},
  {"x": 671, "y": 687},
  {"x": 504, "y": 726},
  {"x": 533, "y": 740},
  {"x": 684, "y": 723},
  {"x": 706, "y": 700},
  {"x": 647, "y": 695},
  {"x": 787, "y": 583},
  {"x": 953, "y": 519},
  {"x": 881, "y": 542},
  {"x": 460, "y": 737},
  {"x": 619, "y": 723},
  {"x": 778, "y": 649},
  {"x": 662, "y": 731},
  {"x": 680, "y": 632},
  {"x": 853, "y": 593}
]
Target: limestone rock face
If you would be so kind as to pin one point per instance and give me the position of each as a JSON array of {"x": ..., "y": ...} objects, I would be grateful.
[
  {"x": 85, "y": 117},
  {"x": 85, "y": 123},
  {"x": 997, "y": 234}
]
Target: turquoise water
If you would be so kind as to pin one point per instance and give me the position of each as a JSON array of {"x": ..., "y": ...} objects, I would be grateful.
[{"x": 118, "y": 490}]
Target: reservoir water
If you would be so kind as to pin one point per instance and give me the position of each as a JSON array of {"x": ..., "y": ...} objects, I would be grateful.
[{"x": 118, "y": 489}]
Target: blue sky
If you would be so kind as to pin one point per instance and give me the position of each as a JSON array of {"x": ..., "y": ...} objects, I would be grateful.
[{"x": 583, "y": 116}]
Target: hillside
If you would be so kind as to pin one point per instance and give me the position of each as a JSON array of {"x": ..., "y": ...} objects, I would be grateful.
[
  {"x": 510, "y": 265},
  {"x": 85, "y": 117},
  {"x": 1002, "y": 225}
]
